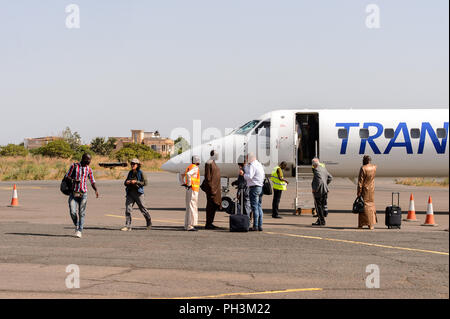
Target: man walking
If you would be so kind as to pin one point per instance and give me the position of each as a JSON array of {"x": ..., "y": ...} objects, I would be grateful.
[
  {"x": 134, "y": 184},
  {"x": 213, "y": 189},
  {"x": 319, "y": 186},
  {"x": 192, "y": 184},
  {"x": 279, "y": 185},
  {"x": 79, "y": 173},
  {"x": 254, "y": 175}
]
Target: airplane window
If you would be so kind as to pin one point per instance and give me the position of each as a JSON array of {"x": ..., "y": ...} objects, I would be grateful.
[
  {"x": 441, "y": 133},
  {"x": 247, "y": 127},
  {"x": 364, "y": 133},
  {"x": 342, "y": 133},
  {"x": 415, "y": 133},
  {"x": 389, "y": 133}
]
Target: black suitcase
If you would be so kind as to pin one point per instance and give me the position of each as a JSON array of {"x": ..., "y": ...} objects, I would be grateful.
[
  {"x": 238, "y": 221},
  {"x": 393, "y": 214}
]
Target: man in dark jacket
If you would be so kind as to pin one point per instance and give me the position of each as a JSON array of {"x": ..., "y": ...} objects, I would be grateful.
[
  {"x": 320, "y": 190},
  {"x": 213, "y": 189},
  {"x": 134, "y": 184}
]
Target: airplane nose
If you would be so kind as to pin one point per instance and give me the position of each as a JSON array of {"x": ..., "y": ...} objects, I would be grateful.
[{"x": 168, "y": 166}]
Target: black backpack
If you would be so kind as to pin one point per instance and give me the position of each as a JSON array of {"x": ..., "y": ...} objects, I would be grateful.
[
  {"x": 267, "y": 187},
  {"x": 66, "y": 186}
]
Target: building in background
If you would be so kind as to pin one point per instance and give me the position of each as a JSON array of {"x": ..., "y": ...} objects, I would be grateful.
[
  {"x": 162, "y": 145},
  {"x": 33, "y": 143}
]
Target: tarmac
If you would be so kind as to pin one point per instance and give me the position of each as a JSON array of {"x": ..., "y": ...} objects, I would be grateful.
[{"x": 289, "y": 259}]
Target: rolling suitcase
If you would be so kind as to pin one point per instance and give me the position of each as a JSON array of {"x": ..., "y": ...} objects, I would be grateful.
[
  {"x": 238, "y": 221},
  {"x": 393, "y": 214}
]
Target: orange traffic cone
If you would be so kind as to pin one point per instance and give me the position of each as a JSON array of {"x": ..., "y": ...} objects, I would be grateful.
[
  {"x": 412, "y": 211},
  {"x": 429, "y": 221},
  {"x": 15, "y": 199}
]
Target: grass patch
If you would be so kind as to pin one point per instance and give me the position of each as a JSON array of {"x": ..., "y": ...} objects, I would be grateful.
[
  {"x": 36, "y": 167},
  {"x": 422, "y": 181}
]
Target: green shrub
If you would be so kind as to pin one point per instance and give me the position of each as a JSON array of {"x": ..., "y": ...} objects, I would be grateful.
[
  {"x": 58, "y": 148},
  {"x": 13, "y": 150}
]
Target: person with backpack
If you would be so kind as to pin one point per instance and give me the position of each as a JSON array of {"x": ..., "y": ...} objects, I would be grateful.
[
  {"x": 78, "y": 174},
  {"x": 134, "y": 184}
]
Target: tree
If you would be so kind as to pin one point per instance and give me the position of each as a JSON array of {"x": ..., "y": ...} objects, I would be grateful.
[
  {"x": 140, "y": 151},
  {"x": 13, "y": 150},
  {"x": 82, "y": 149},
  {"x": 73, "y": 139},
  {"x": 102, "y": 147},
  {"x": 181, "y": 145}
]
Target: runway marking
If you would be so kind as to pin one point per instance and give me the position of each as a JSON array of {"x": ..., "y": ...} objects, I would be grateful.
[
  {"x": 362, "y": 243},
  {"x": 249, "y": 293}
]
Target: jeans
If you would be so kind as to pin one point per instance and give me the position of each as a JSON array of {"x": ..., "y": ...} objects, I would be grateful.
[
  {"x": 77, "y": 205},
  {"x": 133, "y": 197},
  {"x": 256, "y": 194}
]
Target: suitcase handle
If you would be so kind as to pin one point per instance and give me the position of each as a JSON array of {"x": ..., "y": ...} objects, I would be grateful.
[
  {"x": 398, "y": 198},
  {"x": 241, "y": 193}
]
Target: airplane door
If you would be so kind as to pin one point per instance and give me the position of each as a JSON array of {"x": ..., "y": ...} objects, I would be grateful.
[{"x": 283, "y": 137}]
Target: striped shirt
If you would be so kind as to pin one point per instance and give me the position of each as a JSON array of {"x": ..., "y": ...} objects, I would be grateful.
[{"x": 81, "y": 176}]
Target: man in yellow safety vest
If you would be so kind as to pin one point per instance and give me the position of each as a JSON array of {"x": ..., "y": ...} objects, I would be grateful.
[
  {"x": 279, "y": 185},
  {"x": 191, "y": 179}
]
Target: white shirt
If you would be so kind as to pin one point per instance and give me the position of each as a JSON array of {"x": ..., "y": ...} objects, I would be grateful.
[{"x": 254, "y": 174}]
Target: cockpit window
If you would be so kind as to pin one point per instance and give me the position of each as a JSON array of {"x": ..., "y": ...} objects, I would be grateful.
[{"x": 247, "y": 127}]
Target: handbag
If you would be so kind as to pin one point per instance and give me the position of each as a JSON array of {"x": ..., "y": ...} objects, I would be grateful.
[
  {"x": 204, "y": 187},
  {"x": 267, "y": 187},
  {"x": 358, "y": 205}
]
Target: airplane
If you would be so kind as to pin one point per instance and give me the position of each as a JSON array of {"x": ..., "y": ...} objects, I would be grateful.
[{"x": 401, "y": 142}]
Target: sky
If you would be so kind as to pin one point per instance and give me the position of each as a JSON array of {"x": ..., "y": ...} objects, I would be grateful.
[{"x": 158, "y": 65}]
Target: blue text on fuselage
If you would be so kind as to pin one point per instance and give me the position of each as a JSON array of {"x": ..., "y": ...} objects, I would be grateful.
[{"x": 427, "y": 129}]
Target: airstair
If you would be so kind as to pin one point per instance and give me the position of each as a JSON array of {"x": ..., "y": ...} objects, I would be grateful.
[{"x": 304, "y": 199}]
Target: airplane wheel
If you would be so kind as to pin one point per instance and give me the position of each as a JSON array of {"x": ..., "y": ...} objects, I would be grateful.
[{"x": 227, "y": 205}]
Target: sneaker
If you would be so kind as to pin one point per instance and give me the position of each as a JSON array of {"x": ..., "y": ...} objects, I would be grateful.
[
  {"x": 126, "y": 228},
  {"x": 253, "y": 229},
  {"x": 78, "y": 234},
  {"x": 260, "y": 229},
  {"x": 192, "y": 229},
  {"x": 277, "y": 216}
]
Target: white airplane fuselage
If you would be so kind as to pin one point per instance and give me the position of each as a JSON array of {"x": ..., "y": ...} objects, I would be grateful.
[{"x": 401, "y": 142}]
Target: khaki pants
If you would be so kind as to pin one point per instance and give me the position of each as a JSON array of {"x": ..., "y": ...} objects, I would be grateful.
[{"x": 191, "y": 218}]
